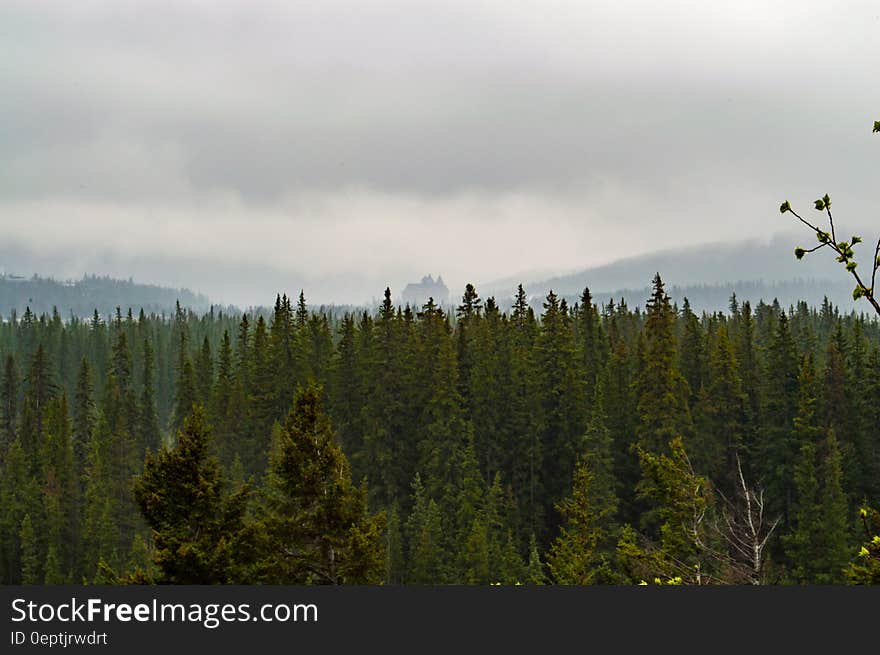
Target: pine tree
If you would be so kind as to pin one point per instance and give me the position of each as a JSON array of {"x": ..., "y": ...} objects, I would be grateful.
[
  {"x": 574, "y": 557},
  {"x": 83, "y": 414},
  {"x": 468, "y": 317},
  {"x": 61, "y": 492},
  {"x": 9, "y": 391},
  {"x": 30, "y": 558},
  {"x": 320, "y": 348},
  {"x": 662, "y": 391},
  {"x": 724, "y": 411},
  {"x": 347, "y": 387},
  {"x": 522, "y": 463},
  {"x": 317, "y": 529},
  {"x": 445, "y": 432},
  {"x": 535, "y": 568},
  {"x": 198, "y": 528},
  {"x": 185, "y": 389},
  {"x": 560, "y": 418},
  {"x": 591, "y": 344},
  {"x": 427, "y": 558},
  {"x": 682, "y": 498},
  {"x": 833, "y": 514},
  {"x": 692, "y": 358},
  {"x": 100, "y": 542},
  {"x": 222, "y": 397},
  {"x": 395, "y": 562},
  {"x": 802, "y": 545},
  {"x": 19, "y": 496},
  {"x": 776, "y": 450},
  {"x": 149, "y": 437},
  {"x": 40, "y": 388},
  {"x": 204, "y": 374}
]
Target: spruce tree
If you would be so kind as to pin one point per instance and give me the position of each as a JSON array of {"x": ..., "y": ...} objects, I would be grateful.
[
  {"x": 9, "y": 390},
  {"x": 427, "y": 558},
  {"x": 662, "y": 401},
  {"x": 724, "y": 410},
  {"x": 777, "y": 450},
  {"x": 833, "y": 514},
  {"x": 197, "y": 526},
  {"x": 83, "y": 414},
  {"x": 802, "y": 544},
  {"x": 315, "y": 525},
  {"x": 185, "y": 396},
  {"x": 204, "y": 374},
  {"x": 149, "y": 436},
  {"x": 30, "y": 557},
  {"x": 560, "y": 418},
  {"x": 575, "y": 556}
]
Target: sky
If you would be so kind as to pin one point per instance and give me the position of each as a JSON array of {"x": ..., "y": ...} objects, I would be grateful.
[{"x": 246, "y": 148}]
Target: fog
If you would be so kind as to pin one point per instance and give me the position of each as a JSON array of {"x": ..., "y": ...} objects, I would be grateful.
[{"x": 240, "y": 148}]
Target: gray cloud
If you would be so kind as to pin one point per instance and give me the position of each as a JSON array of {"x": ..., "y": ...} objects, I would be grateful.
[{"x": 327, "y": 142}]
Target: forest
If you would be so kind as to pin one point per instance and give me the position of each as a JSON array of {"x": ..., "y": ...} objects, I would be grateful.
[{"x": 577, "y": 444}]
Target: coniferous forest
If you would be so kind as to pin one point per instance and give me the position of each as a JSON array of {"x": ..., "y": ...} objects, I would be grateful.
[{"x": 485, "y": 444}]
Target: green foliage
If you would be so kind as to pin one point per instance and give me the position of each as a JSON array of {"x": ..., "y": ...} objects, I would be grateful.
[
  {"x": 314, "y": 526},
  {"x": 865, "y": 567},
  {"x": 575, "y": 557},
  {"x": 197, "y": 526},
  {"x": 520, "y": 426}
]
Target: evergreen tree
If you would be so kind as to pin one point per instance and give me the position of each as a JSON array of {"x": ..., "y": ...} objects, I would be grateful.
[
  {"x": 9, "y": 391},
  {"x": 149, "y": 437},
  {"x": 427, "y": 560},
  {"x": 19, "y": 497},
  {"x": 662, "y": 391},
  {"x": 30, "y": 559},
  {"x": 575, "y": 557},
  {"x": 560, "y": 417},
  {"x": 83, "y": 414},
  {"x": 724, "y": 410},
  {"x": 777, "y": 450},
  {"x": 204, "y": 374},
  {"x": 185, "y": 389},
  {"x": 197, "y": 526},
  {"x": 317, "y": 529},
  {"x": 222, "y": 398},
  {"x": 803, "y": 543},
  {"x": 833, "y": 514}
]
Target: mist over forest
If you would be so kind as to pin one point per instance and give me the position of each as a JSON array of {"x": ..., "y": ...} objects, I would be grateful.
[{"x": 442, "y": 292}]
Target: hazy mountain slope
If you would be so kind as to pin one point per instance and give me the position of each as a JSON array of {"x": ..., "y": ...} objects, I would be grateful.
[
  {"x": 82, "y": 297},
  {"x": 707, "y": 275}
]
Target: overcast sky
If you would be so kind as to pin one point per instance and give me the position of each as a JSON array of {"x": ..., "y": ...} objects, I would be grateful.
[{"x": 241, "y": 148}]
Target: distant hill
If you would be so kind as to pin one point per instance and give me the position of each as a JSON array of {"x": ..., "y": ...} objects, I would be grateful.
[
  {"x": 707, "y": 275},
  {"x": 83, "y": 297},
  {"x": 716, "y": 297}
]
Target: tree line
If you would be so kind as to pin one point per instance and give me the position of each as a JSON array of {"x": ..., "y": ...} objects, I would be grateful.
[{"x": 581, "y": 444}]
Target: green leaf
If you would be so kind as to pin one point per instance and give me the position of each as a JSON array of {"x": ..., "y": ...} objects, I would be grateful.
[
  {"x": 799, "y": 253},
  {"x": 858, "y": 292},
  {"x": 851, "y": 266},
  {"x": 784, "y": 207},
  {"x": 827, "y": 200},
  {"x": 820, "y": 204},
  {"x": 856, "y": 240},
  {"x": 877, "y": 126}
]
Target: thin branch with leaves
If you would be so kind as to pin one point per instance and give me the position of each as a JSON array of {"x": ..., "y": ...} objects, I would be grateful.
[{"x": 843, "y": 248}]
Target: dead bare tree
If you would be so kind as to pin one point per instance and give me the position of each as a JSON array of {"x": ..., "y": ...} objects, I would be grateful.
[{"x": 742, "y": 524}]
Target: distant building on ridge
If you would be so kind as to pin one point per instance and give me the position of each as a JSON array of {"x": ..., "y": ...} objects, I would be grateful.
[{"x": 417, "y": 294}]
